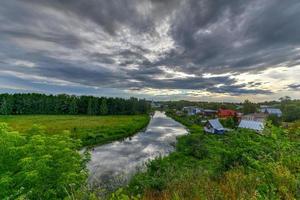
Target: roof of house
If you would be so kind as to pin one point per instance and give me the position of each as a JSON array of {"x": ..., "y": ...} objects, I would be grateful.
[
  {"x": 215, "y": 123},
  {"x": 255, "y": 115},
  {"x": 273, "y": 111},
  {"x": 265, "y": 106},
  {"x": 209, "y": 110},
  {"x": 191, "y": 107},
  {"x": 223, "y": 112},
  {"x": 254, "y": 125}
]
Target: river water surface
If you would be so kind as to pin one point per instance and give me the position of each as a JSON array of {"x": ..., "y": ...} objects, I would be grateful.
[{"x": 113, "y": 164}]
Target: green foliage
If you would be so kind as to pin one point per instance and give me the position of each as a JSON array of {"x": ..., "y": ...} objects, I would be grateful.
[
  {"x": 14, "y": 104},
  {"x": 103, "y": 107},
  {"x": 228, "y": 122},
  {"x": 239, "y": 165},
  {"x": 38, "y": 166},
  {"x": 291, "y": 112},
  {"x": 91, "y": 130},
  {"x": 276, "y": 121},
  {"x": 73, "y": 107},
  {"x": 249, "y": 107},
  {"x": 5, "y": 106}
]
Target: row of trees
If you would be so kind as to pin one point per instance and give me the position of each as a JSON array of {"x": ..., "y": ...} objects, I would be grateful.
[{"x": 34, "y": 103}]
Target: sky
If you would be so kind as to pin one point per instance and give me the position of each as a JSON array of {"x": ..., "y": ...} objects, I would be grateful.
[{"x": 198, "y": 50}]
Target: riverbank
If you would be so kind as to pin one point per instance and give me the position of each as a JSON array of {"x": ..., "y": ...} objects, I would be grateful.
[
  {"x": 237, "y": 165},
  {"x": 91, "y": 130},
  {"x": 39, "y": 153},
  {"x": 112, "y": 165}
]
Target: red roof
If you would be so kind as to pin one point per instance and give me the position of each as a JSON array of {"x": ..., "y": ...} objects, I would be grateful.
[{"x": 226, "y": 113}]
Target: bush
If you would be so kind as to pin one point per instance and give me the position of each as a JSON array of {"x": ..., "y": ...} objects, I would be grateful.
[{"x": 39, "y": 166}]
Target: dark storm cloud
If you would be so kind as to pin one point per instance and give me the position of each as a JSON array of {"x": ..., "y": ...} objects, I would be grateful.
[
  {"x": 123, "y": 43},
  {"x": 294, "y": 86}
]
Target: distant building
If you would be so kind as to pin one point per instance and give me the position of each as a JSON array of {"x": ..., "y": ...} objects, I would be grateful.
[
  {"x": 214, "y": 126},
  {"x": 155, "y": 105},
  {"x": 271, "y": 111},
  {"x": 252, "y": 125},
  {"x": 264, "y": 106},
  {"x": 259, "y": 117},
  {"x": 209, "y": 113},
  {"x": 192, "y": 110},
  {"x": 223, "y": 113}
]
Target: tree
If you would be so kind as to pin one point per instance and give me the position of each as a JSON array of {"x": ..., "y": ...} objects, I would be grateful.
[
  {"x": 65, "y": 104},
  {"x": 103, "y": 107},
  {"x": 276, "y": 121},
  {"x": 284, "y": 101},
  {"x": 90, "y": 107},
  {"x": 291, "y": 113},
  {"x": 6, "y": 106},
  {"x": 73, "y": 109},
  {"x": 249, "y": 107}
]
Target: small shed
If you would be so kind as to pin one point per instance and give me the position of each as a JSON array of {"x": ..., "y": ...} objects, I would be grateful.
[
  {"x": 253, "y": 125},
  {"x": 214, "y": 126}
]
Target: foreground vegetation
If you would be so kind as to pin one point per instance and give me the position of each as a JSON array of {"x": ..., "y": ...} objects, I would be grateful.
[
  {"x": 91, "y": 130},
  {"x": 238, "y": 165},
  {"x": 42, "y": 161},
  {"x": 36, "y": 165}
]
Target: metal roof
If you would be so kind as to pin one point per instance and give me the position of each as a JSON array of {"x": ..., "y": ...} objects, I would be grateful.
[
  {"x": 208, "y": 110},
  {"x": 215, "y": 123},
  {"x": 254, "y": 125},
  {"x": 273, "y": 111}
]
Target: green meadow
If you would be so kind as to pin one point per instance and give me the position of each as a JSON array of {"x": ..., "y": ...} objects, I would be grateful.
[{"x": 92, "y": 130}]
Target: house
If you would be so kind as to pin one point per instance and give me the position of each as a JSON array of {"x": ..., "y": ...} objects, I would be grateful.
[
  {"x": 209, "y": 113},
  {"x": 259, "y": 117},
  {"x": 155, "y": 105},
  {"x": 271, "y": 111},
  {"x": 252, "y": 125},
  {"x": 225, "y": 113},
  {"x": 214, "y": 126},
  {"x": 191, "y": 110}
]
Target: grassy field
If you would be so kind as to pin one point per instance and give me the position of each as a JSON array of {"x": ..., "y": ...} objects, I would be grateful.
[{"x": 91, "y": 130}]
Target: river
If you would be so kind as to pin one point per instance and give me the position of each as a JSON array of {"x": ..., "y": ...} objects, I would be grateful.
[{"x": 113, "y": 164}]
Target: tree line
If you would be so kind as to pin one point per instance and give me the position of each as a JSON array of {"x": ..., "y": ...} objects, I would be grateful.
[{"x": 34, "y": 103}]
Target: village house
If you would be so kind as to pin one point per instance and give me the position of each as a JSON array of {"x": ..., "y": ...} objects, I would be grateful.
[
  {"x": 226, "y": 113},
  {"x": 155, "y": 104},
  {"x": 209, "y": 113},
  {"x": 214, "y": 126},
  {"x": 191, "y": 110},
  {"x": 252, "y": 125},
  {"x": 271, "y": 111},
  {"x": 259, "y": 117}
]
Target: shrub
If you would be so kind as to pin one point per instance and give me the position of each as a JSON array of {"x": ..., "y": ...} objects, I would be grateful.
[{"x": 39, "y": 166}]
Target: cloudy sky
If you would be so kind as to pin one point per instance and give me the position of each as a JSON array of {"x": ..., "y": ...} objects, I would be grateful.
[{"x": 218, "y": 50}]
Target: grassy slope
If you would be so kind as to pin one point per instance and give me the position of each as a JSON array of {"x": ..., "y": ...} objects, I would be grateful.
[
  {"x": 91, "y": 130},
  {"x": 239, "y": 165}
]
